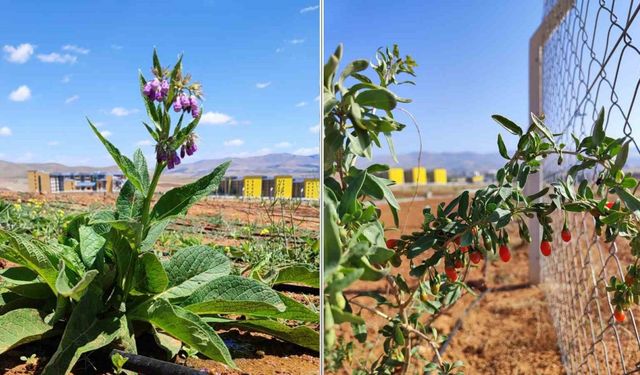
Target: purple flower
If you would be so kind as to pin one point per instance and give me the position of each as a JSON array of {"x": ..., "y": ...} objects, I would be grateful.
[
  {"x": 156, "y": 90},
  {"x": 177, "y": 105},
  {"x": 195, "y": 111},
  {"x": 164, "y": 87},
  {"x": 161, "y": 153},
  {"x": 184, "y": 100},
  {"x": 176, "y": 158},
  {"x": 193, "y": 101},
  {"x": 182, "y": 151}
]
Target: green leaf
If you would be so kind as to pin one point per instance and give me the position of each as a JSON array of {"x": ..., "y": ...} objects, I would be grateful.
[
  {"x": 190, "y": 268},
  {"x": 632, "y": 202},
  {"x": 91, "y": 247},
  {"x": 178, "y": 200},
  {"x": 394, "y": 206},
  {"x": 350, "y": 197},
  {"x": 301, "y": 335},
  {"x": 296, "y": 311},
  {"x": 153, "y": 234},
  {"x": 298, "y": 274},
  {"x": 502, "y": 148},
  {"x": 185, "y": 326},
  {"x": 598, "y": 129},
  {"x": 84, "y": 332},
  {"x": 129, "y": 203},
  {"x": 377, "y": 98},
  {"x": 141, "y": 167},
  {"x": 150, "y": 276},
  {"x": 21, "y": 326},
  {"x": 235, "y": 295},
  {"x": 125, "y": 164},
  {"x": 170, "y": 345},
  {"x": 331, "y": 234},
  {"x": 508, "y": 124},
  {"x": 74, "y": 290},
  {"x": 29, "y": 253},
  {"x": 621, "y": 158}
]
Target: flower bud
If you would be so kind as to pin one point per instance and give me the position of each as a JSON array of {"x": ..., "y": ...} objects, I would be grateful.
[
  {"x": 193, "y": 100},
  {"x": 184, "y": 100},
  {"x": 195, "y": 111},
  {"x": 177, "y": 105},
  {"x": 182, "y": 151}
]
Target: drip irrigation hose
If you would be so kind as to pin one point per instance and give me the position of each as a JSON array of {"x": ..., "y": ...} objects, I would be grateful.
[{"x": 152, "y": 366}]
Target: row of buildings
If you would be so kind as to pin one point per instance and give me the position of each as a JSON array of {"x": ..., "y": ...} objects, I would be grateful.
[
  {"x": 248, "y": 186},
  {"x": 420, "y": 176}
]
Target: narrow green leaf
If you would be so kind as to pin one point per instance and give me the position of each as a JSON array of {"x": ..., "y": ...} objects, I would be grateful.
[
  {"x": 502, "y": 148},
  {"x": 508, "y": 124},
  {"x": 125, "y": 164},
  {"x": 178, "y": 200},
  {"x": 597, "y": 136}
]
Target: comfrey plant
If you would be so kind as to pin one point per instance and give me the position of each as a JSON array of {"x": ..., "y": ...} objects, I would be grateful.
[
  {"x": 100, "y": 284},
  {"x": 456, "y": 236}
]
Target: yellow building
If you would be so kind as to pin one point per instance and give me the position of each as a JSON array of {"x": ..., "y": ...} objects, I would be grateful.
[
  {"x": 284, "y": 187},
  {"x": 419, "y": 175},
  {"x": 396, "y": 175},
  {"x": 477, "y": 178},
  {"x": 39, "y": 182},
  {"x": 312, "y": 188},
  {"x": 440, "y": 176},
  {"x": 69, "y": 185},
  {"x": 252, "y": 187}
]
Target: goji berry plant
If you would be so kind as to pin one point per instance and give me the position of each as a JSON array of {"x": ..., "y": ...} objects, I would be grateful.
[
  {"x": 101, "y": 283},
  {"x": 455, "y": 236}
]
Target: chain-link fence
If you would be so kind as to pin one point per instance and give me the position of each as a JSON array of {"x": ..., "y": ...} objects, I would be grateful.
[{"x": 589, "y": 61}]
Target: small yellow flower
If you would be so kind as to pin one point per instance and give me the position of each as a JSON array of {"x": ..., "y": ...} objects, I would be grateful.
[{"x": 264, "y": 232}]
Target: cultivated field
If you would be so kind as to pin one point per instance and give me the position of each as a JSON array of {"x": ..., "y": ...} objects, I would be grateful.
[{"x": 262, "y": 238}]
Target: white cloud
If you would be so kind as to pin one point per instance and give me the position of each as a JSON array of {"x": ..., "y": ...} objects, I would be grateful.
[
  {"x": 216, "y": 118},
  {"x": 20, "y": 94},
  {"x": 262, "y": 85},
  {"x": 296, "y": 41},
  {"x": 246, "y": 154},
  {"x": 279, "y": 49},
  {"x": 121, "y": 111},
  {"x": 234, "y": 142},
  {"x": 306, "y": 151},
  {"x": 315, "y": 129},
  {"x": 75, "y": 49},
  {"x": 301, "y": 104},
  {"x": 5, "y": 131},
  {"x": 55, "y": 57},
  {"x": 20, "y": 54},
  {"x": 71, "y": 99},
  {"x": 106, "y": 133},
  {"x": 53, "y": 143},
  {"x": 283, "y": 145},
  {"x": 309, "y": 8},
  {"x": 144, "y": 143},
  {"x": 66, "y": 78}
]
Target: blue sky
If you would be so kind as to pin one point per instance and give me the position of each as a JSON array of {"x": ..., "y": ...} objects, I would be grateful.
[
  {"x": 472, "y": 56},
  {"x": 258, "y": 63}
]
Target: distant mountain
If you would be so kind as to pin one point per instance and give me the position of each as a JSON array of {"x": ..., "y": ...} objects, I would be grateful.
[
  {"x": 19, "y": 170},
  {"x": 267, "y": 165},
  {"x": 13, "y": 176}
]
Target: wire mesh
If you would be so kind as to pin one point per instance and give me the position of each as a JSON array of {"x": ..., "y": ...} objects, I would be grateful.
[{"x": 590, "y": 62}]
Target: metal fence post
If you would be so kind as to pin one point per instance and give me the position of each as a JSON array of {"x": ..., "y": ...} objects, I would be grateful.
[{"x": 536, "y": 53}]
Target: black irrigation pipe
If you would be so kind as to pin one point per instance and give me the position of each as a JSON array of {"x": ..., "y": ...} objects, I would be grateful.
[
  {"x": 299, "y": 289},
  {"x": 152, "y": 366}
]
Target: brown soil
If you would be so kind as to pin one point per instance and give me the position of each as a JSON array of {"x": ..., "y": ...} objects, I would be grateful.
[{"x": 509, "y": 331}]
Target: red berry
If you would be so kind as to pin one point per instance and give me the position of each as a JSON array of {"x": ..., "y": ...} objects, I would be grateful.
[
  {"x": 392, "y": 243},
  {"x": 609, "y": 205},
  {"x": 451, "y": 273},
  {"x": 464, "y": 249},
  {"x": 629, "y": 280},
  {"x": 475, "y": 257},
  {"x": 458, "y": 263},
  {"x": 566, "y": 235},
  {"x": 545, "y": 248},
  {"x": 619, "y": 316},
  {"x": 505, "y": 254}
]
